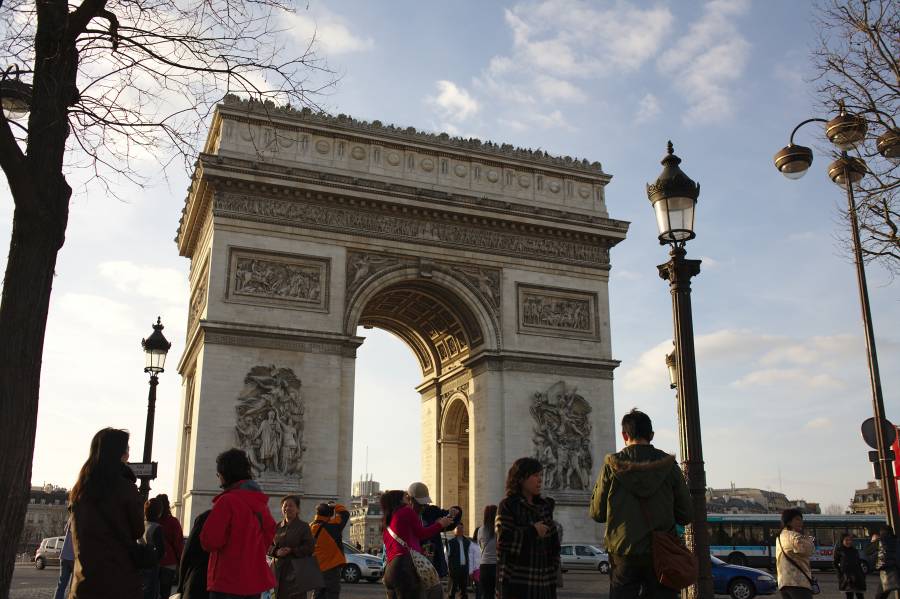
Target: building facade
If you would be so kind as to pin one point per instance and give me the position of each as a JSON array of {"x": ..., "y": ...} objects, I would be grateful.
[
  {"x": 747, "y": 500},
  {"x": 869, "y": 500},
  {"x": 366, "y": 526},
  {"x": 45, "y": 516}
]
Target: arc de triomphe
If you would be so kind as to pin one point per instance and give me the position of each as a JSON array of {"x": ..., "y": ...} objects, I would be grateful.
[{"x": 490, "y": 262}]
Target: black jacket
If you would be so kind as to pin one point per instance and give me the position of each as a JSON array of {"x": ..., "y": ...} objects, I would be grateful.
[
  {"x": 849, "y": 569},
  {"x": 194, "y": 563},
  {"x": 886, "y": 557},
  {"x": 434, "y": 545},
  {"x": 453, "y": 556}
]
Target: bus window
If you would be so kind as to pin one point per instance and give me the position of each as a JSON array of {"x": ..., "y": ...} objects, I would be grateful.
[{"x": 720, "y": 537}]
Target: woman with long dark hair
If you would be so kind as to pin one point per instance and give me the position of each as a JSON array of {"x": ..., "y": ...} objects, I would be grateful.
[
  {"x": 107, "y": 517},
  {"x": 527, "y": 539},
  {"x": 487, "y": 540},
  {"x": 403, "y": 533}
]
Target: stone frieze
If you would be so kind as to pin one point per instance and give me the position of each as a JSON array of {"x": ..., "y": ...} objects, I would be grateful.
[{"x": 419, "y": 230}]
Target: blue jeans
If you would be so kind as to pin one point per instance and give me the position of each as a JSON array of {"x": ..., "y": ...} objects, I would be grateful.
[{"x": 65, "y": 575}]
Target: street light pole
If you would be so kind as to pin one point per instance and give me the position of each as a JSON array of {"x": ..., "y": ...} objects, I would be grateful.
[
  {"x": 148, "y": 434},
  {"x": 793, "y": 161},
  {"x": 884, "y": 465},
  {"x": 678, "y": 272},
  {"x": 155, "y": 349},
  {"x": 674, "y": 198}
]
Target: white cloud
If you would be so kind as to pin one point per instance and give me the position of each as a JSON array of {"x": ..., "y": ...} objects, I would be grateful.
[
  {"x": 750, "y": 359},
  {"x": 329, "y": 31},
  {"x": 553, "y": 89},
  {"x": 149, "y": 281},
  {"x": 797, "y": 378},
  {"x": 820, "y": 423},
  {"x": 648, "y": 108},
  {"x": 705, "y": 63},
  {"x": 453, "y": 102}
]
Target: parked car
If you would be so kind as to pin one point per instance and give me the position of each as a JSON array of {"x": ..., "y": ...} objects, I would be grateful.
[
  {"x": 47, "y": 553},
  {"x": 741, "y": 582},
  {"x": 576, "y": 556},
  {"x": 361, "y": 565}
]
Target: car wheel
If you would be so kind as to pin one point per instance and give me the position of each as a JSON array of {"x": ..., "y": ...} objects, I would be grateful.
[
  {"x": 741, "y": 588},
  {"x": 603, "y": 567},
  {"x": 352, "y": 573},
  {"x": 737, "y": 559},
  {"x": 39, "y": 563},
  {"x": 865, "y": 566}
]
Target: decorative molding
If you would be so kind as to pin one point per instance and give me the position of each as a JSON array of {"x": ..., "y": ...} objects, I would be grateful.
[
  {"x": 485, "y": 282},
  {"x": 265, "y": 278},
  {"x": 561, "y": 366},
  {"x": 362, "y": 266},
  {"x": 199, "y": 297},
  {"x": 268, "y": 109},
  {"x": 415, "y": 230},
  {"x": 562, "y": 437},
  {"x": 459, "y": 389},
  {"x": 556, "y": 312},
  {"x": 260, "y": 341}
]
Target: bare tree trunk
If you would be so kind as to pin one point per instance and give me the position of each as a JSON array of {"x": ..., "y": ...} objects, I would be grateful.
[{"x": 23, "y": 321}]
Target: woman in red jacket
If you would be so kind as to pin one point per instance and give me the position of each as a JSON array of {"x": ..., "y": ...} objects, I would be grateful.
[
  {"x": 403, "y": 531},
  {"x": 238, "y": 533}
]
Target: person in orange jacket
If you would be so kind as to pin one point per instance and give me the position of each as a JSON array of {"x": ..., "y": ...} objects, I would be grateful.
[{"x": 328, "y": 530}]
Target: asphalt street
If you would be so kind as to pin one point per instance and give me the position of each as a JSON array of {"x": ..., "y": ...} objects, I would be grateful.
[{"x": 29, "y": 583}]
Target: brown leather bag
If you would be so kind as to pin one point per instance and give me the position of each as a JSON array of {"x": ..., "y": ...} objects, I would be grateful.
[{"x": 674, "y": 564}]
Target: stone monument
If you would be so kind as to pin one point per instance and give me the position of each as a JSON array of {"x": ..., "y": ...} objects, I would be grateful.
[{"x": 490, "y": 262}]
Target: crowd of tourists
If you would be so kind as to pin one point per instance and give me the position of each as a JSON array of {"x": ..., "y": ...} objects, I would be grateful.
[{"x": 118, "y": 547}]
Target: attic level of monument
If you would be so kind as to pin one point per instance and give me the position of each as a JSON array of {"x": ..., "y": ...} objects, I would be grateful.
[{"x": 289, "y": 116}]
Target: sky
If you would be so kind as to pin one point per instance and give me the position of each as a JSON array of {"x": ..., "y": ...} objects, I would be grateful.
[{"x": 780, "y": 353}]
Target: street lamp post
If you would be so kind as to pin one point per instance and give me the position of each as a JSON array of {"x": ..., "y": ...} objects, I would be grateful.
[
  {"x": 155, "y": 349},
  {"x": 674, "y": 198},
  {"x": 845, "y": 131}
]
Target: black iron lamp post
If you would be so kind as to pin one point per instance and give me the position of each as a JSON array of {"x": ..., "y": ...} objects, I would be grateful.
[
  {"x": 155, "y": 349},
  {"x": 674, "y": 198},
  {"x": 845, "y": 131}
]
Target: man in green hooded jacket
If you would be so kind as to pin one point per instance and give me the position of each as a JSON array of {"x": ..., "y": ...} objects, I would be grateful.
[{"x": 639, "y": 474}]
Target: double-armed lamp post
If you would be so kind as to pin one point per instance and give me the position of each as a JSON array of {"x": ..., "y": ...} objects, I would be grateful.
[
  {"x": 674, "y": 198},
  {"x": 155, "y": 349},
  {"x": 845, "y": 131}
]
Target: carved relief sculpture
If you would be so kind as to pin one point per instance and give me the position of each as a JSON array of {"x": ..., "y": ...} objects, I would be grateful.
[
  {"x": 269, "y": 422},
  {"x": 557, "y": 312},
  {"x": 562, "y": 434},
  {"x": 286, "y": 280}
]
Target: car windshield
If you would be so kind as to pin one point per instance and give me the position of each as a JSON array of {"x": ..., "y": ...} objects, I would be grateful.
[
  {"x": 348, "y": 548},
  {"x": 716, "y": 560},
  {"x": 597, "y": 550}
]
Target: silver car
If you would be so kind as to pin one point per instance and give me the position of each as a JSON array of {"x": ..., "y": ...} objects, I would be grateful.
[
  {"x": 361, "y": 565},
  {"x": 576, "y": 556},
  {"x": 48, "y": 552}
]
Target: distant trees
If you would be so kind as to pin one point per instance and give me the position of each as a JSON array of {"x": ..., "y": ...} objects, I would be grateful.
[{"x": 858, "y": 61}]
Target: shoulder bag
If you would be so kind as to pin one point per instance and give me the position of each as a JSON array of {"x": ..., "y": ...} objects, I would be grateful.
[
  {"x": 428, "y": 576},
  {"x": 813, "y": 583},
  {"x": 673, "y": 563},
  {"x": 303, "y": 575}
]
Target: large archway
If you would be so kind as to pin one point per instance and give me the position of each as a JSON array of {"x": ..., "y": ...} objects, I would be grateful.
[{"x": 491, "y": 263}]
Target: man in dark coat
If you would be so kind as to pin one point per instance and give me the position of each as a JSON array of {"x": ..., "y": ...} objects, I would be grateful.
[
  {"x": 635, "y": 484},
  {"x": 433, "y": 547},
  {"x": 194, "y": 564},
  {"x": 459, "y": 558}
]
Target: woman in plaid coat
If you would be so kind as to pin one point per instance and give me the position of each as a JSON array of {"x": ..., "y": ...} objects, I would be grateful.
[{"x": 527, "y": 539}]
